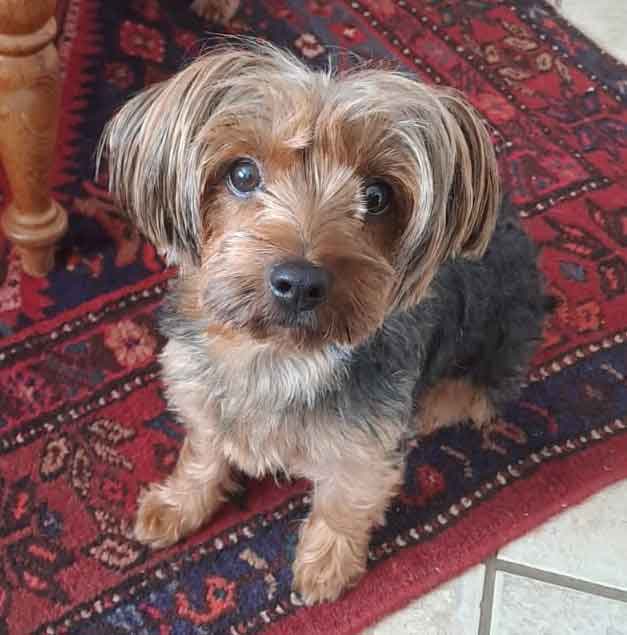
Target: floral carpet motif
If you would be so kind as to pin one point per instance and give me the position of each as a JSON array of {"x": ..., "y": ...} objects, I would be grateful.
[{"x": 83, "y": 422}]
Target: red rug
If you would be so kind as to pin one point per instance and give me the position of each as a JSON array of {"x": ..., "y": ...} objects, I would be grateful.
[{"x": 83, "y": 423}]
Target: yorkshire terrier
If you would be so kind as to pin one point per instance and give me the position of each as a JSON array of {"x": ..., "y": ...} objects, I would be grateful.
[{"x": 346, "y": 282}]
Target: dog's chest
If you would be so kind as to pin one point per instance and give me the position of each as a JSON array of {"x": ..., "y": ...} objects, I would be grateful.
[
  {"x": 266, "y": 446},
  {"x": 275, "y": 415},
  {"x": 269, "y": 411}
]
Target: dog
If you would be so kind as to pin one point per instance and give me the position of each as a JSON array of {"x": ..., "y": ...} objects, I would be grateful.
[{"x": 348, "y": 280}]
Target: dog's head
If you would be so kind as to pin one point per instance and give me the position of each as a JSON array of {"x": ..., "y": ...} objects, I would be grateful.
[{"x": 302, "y": 207}]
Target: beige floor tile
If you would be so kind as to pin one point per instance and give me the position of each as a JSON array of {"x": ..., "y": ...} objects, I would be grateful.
[
  {"x": 604, "y": 21},
  {"x": 452, "y": 609},
  {"x": 528, "y": 607},
  {"x": 587, "y": 542}
]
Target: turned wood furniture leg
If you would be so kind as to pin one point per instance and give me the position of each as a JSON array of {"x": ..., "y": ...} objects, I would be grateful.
[{"x": 29, "y": 110}]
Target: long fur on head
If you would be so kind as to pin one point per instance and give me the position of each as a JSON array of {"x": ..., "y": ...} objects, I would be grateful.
[{"x": 318, "y": 137}]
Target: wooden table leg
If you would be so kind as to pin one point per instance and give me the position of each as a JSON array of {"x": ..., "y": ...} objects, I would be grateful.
[{"x": 29, "y": 110}]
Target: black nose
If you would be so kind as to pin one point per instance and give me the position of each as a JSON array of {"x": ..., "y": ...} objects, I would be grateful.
[{"x": 298, "y": 285}]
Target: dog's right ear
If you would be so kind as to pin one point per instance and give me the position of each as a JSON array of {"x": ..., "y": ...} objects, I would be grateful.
[
  {"x": 160, "y": 145},
  {"x": 153, "y": 171},
  {"x": 165, "y": 144}
]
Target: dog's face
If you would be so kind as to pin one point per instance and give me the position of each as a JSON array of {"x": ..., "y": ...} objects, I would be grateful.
[{"x": 302, "y": 208}]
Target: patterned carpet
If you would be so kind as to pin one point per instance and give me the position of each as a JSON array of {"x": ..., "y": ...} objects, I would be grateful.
[{"x": 83, "y": 424}]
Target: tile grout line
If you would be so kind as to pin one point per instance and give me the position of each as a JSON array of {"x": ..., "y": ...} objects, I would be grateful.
[
  {"x": 557, "y": 579},
  {"x": 487, "y": 598}
]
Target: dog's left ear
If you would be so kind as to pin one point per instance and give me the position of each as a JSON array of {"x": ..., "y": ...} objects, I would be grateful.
[
  {"x": 474, "y": 196},
  {"x": 459, "y": 187}
]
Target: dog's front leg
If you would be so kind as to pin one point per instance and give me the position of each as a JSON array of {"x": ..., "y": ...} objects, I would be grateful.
[
  {"x": 200, "y": 482},
  {"x": 349, "y": 499}
]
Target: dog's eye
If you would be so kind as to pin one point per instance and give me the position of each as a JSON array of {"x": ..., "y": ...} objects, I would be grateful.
[
  {"x": 244, "y": 177},
  {"x": 377, "y": 195}
]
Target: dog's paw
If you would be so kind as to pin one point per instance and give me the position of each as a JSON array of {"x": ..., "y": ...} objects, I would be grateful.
[
  {"x": 160, "y": 522},
  {"x": 326, "y": 564},
  {"x": 216, "y": 11}
]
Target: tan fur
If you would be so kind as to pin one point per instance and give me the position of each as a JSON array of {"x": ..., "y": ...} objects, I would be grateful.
[
  {"x": 350, "y": 498},
  {"x": 274, "y": 444},
  {"x": 317, "y": 139},
  {"x": 453, "y": 401},
  {"x": 181, "y": 504}
]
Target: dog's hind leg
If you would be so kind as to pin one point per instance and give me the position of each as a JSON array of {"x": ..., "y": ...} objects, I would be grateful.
[{"x": 452, "y": 401}]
